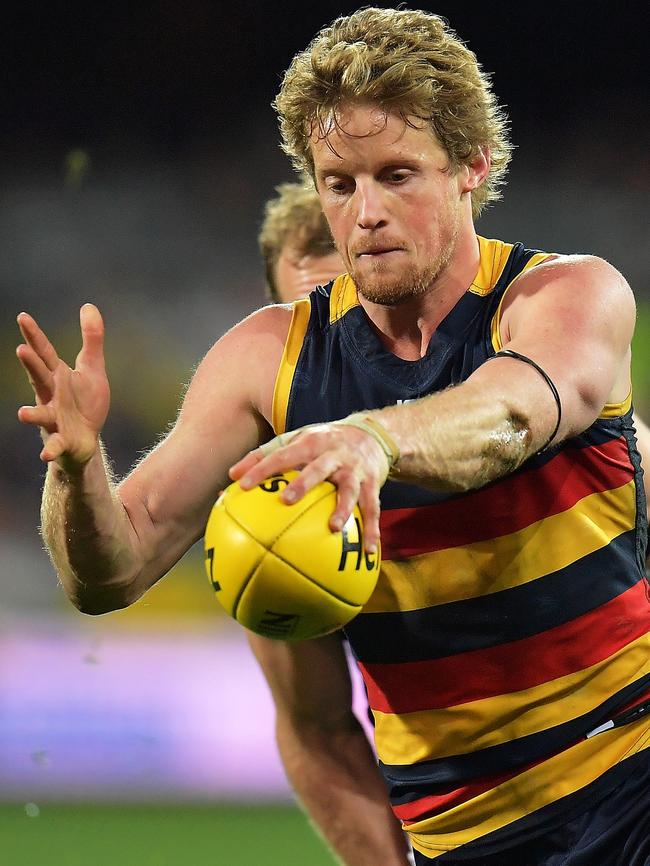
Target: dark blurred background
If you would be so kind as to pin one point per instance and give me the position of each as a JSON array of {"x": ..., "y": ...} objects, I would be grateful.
[{"x": 138, "y": 148}]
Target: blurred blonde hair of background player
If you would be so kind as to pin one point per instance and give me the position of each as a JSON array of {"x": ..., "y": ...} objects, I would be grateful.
[{"x": 296, "y": 244}]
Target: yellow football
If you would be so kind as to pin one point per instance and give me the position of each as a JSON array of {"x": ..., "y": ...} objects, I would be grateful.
[{"x": 278, "y": 569}]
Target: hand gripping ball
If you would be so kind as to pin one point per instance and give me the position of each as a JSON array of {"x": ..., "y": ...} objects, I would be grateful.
[{"x": 278, "y": 569}]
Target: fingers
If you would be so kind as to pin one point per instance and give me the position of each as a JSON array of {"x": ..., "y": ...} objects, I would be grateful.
[
  {"x": 255, "y": 467},
  {"x": 92, "y": 335},
  {"x": 346, "y": 456},
  {"x": 239, "y": 469},
  {"x": 71, "y": 405},
  {"x": 36, "y": 338},
  {"x": 40, "y": 416},
  {"x": 260, "y": 456},
  {"x": 313, "y": 473},
  {"x": 352, "y": 490},
  {"x": 370, "y": 508},
  {"x": 53, "y": 448},
  {"x": 43, "y": 417},
  {"x": 39, "y": 374},
  {"x": 348, "y": 488}
]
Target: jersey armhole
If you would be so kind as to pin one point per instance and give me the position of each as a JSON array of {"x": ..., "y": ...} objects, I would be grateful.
[
  {"x": 293, "y": 344},
  {"x": 615, "y": 410},
  {"x": 495, "y": 327}
]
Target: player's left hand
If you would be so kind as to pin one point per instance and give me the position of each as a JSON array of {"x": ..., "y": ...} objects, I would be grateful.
[{"x": 345, "y": 455}]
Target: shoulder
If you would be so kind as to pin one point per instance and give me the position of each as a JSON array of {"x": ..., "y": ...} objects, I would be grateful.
[
  {"x": 246, "y": 358},
  {"x": 583, "y": 273},
  {"x": 261, "y": 332},
  {"x": 571, "y": 285},
  {"x": 271, "y": 321}
]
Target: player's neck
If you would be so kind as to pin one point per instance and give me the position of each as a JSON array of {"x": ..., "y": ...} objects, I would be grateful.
[{"x": 407, "y": 329}]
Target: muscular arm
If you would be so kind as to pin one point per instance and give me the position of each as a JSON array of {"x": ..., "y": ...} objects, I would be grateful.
[
  {"x": 88, "y": 535},
  {"x": 573, "y": 316},
  {"x": 325, "y": 753},
  {"x": 110, "y": 543}
]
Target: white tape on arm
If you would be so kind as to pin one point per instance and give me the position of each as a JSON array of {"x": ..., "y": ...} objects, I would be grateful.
[
  {"x": 379, "y": 433},
  {"x": 279, "y": 441}
]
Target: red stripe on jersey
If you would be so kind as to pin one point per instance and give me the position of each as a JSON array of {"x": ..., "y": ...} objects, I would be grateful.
[
  {"x": 489, "y": 513},
  {"x": 433, "y": 804},
  {"x": 413, "y": 686}
]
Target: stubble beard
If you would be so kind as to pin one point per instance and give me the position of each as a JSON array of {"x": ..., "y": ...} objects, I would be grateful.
[{"x": 412, "y": 282}]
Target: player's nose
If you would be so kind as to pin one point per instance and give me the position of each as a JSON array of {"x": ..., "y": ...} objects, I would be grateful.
[{"x": 371, "y": 206}]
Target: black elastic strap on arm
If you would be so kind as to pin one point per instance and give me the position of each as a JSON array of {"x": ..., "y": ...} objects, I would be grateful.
[{"x": 509, "y": 353}]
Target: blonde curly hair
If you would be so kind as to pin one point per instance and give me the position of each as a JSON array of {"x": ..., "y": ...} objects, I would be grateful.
[
  {"x": 409, "y": 62},
  {"x": 294, "y": 219}
]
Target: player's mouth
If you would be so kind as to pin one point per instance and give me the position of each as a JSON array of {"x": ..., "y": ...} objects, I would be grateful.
[{"x": 377, "y": 251}]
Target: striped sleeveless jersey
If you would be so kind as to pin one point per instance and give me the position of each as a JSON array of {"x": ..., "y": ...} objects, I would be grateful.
[{"x": 505, "y": 648}]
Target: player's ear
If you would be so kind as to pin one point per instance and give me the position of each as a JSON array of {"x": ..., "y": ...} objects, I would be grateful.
[{"x": 477, "y": 169}]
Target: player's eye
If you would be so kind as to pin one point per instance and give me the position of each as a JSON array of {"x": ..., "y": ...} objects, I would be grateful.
[
  {"x": 398, "y": 176},
  {"x": 338, "y": 186}
]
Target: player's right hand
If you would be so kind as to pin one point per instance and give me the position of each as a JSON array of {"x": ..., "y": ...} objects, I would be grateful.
[{"x": 71, "y": 405}]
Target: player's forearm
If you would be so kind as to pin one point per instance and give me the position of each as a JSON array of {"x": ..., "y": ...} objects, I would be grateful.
[
  {"x": 335, "y": 776},
  {"x": 458, "y": 439},
  {"x": 88, "y": 536}
]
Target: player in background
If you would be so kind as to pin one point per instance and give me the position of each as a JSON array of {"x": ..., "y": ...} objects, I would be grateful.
[
  {"x": 296, "y": 243},
  {"x": 505, "y": 651}
]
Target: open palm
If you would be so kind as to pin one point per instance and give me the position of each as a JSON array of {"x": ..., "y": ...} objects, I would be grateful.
[{"x": 71, "y": 404}]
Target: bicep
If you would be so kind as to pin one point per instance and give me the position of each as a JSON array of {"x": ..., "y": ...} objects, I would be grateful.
[{"x": 575, "y": 319}]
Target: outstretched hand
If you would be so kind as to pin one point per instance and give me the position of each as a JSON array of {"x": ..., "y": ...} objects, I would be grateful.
[
  {"x": 71, "y": 404},
  {"x": 345, "y": 455}
]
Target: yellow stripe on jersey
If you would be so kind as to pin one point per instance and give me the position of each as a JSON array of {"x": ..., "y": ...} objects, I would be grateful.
[
  {"x": 540, "y": 786},
  {"x": 495, "y": 328},
  {"x": 428, "y": 734},
  {"x": 493, "y": 258},
  {"x": 342, "y": 297},
  {"x": 511, "y": 560},
  {"x": 615, "y": 410},
  {"x": 292, "y": 347}
]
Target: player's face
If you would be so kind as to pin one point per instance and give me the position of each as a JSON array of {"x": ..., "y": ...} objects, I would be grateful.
[
  {"x": 394, "y": 206},
  {"x": 296, "y": 275}
]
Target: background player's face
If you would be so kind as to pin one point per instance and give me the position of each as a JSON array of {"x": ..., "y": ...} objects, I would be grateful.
[
  {"x": 394, "y": 207},
  {"x": 296, "y": 275}
]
